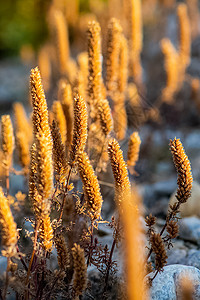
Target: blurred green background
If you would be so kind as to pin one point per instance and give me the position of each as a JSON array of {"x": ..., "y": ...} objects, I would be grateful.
[{"x": 23, "y": 22}]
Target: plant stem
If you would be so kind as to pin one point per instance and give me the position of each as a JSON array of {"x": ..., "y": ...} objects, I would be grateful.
[
  {"x": 91, "y": 246},
  {"x": 7, "y": 181},
  {"x": 6, "y": 283},
  {"x": 109, "y": 264}
]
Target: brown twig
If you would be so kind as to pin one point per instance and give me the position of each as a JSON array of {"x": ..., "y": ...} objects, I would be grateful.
[{"x": 7, "y": 279}]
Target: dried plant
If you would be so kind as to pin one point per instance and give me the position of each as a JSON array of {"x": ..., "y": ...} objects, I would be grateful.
[
  {"x": 92, "y": 195},
  {"x": 133, "y": 150},
  {"x": 63, "y": 254},
  {"x": 80, "y": 270},
  {"x": 59, "y": 118},
  {"x": 105, "y": 117}
]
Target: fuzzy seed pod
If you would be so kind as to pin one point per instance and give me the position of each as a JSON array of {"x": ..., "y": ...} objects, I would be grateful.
[
  {"x": 80, "y": 270},
  {"x": 112, "y": 55},
  {"x": 158, "y": 248},
  {"x": 23, "y": 148},
  {"x": 80, "y": 128},
  {"x": 22, "y": 123},
  {"x": 7, "y": 139},
  {"x": 185, "y": 34},
  {"x": 133, "y": 149},
  {"x": 123, "y": 65},
  {"x": 94, "y": 62},
  {"x": 59, "y": 118},
  {"x": 8, "y": 227},
  {"x": 183, "y": 169},
  {"x": 120, "y": 120},
  {"x": 172, "y": 229},
  {"x": 105, "y": 116},
  {"x": 62, "y": 41},
  {"x": 65, "y": 97},
  {"x": 46, "y": 232},
  {"x": 40, "y": 116},
  {"x": 44, "y": 62},
  {"x": 44, "y": 166},
  {"x": 93, "y": 198},
  {"x": 186, "y": 288},
  {"x": 83, "y": 74},
  {"x": 59, "y": 156},
  {"x": 135, "y": 39},
  {"x": 172, "y": 70},
  {"x": 120, "y": 173},
  {"x": 62, "y": 252}
]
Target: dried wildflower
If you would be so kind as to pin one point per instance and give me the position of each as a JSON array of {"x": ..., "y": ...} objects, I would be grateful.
[
  {"x": 8, "y": 227},
  {"x": 80, "y": 128},
  {"x": 83, "y": 74},
  {"x": 80, "y": 270},
  {"x": 59, "y": 156},
  {"x": 134, "y": 247},
  {"x": 135, "y": 38},
  {"x": 44, "y": 166},
  {"x": 123, "y": 65},
  {"x": 22, "y": 123},
  {"x": 133, "y": 149},
  {"x": 158, "y": 248},
  {"x": 59, "y": 117},
  {"x": 44, "y": 62},
  {"x": 120, "y": 120},
  {"x": 65, "y": 97},
  {"x": 94, "y": 62},
  {"x": 62, "y": 252},
  {"x": 185, "y": 35},
  {"x": 93, "y": 198},
  {"x": 105, "y": 116},
  {"x": 23, "y": 148},
  {"x": 40, "y": 116},
  {"x": 119, "y": 168},
  {"x": 112, "y": 55},
  {"x": 172, "y": 70},
  {"x": 172, "y": 229},
  {"x": 183, "y": 169},
  {"x": 46, "y": 232},
  {"x": 7, "y": 139},
  {"x": 150, "y": 220},
  {"x": 62, "y": 41}
]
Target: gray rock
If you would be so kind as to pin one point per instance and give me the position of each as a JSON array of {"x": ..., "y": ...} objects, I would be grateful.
[
  {"x": 192, "y": 259},
  {"x": 189, "y": 229},
  {"x": 176, "y": 256},
  {"x": 166, "y": 285}
]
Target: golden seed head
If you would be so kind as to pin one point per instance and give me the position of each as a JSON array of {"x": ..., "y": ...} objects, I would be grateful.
[
  {"x": 8, "y": 226},
  {"x": 80, "y": 270},
  {"x": 44, "y": 166},
  {"x": 133, "y": 149},
  {"x": 112, "y": 55},
  {"x": 7, "y": 136},
  {"x": 62, "y": 252},
  {"x": 123, "y": 65},
  {"x": 80, "y": 128},
  {"x": 120, "y": 120},
  {"x": 46, "y": 232},
  {"x": 59, "y": 117},
  {"x": 120, "y": 173},
  {"x": 62, "y": 41},
  {"x": 22, "y": 123},
  {"x": 94, "y": 62},
  {"x": 23, "y": 148},
  {"x": 185, "y": 34},
  {"x": 105, "y": 116},
  {"x": 183, "y": 169},
  {"x": 59, "y": 156},
  {"x": 158, "y": 248},
  {"x": 92, "y": 194}
]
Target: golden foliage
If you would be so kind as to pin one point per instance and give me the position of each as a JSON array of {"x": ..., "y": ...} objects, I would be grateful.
[
  {"x": 8, "y": 227},
  {"x": 119, "y": 169},
  {"x": 62, "y": 252},
  {"x": 7, "y": 139},
  {"x": 92, "y": 194},
  {"x": 80, "y": 270},
  {"x": 105, "y": 116},
  {"x": 59, "y": 118},
  {"x": 80, "y": 128},
  {"x": 46, "y": 232},
  {"x": 120, "y": 120},
  {"x": 133, "y": 149},
  {"x": 183, "y": 169}
]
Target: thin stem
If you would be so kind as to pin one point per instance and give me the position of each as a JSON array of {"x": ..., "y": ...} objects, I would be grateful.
[
  {"x": 109, "y": 264},
  {"x": 21, "y": 259},
  {"x": 65, "y": 195},
  {"x": 91, "y": 246},
  {"x": 32, "y": 256},
  {"x": 7, "y": 278}
]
